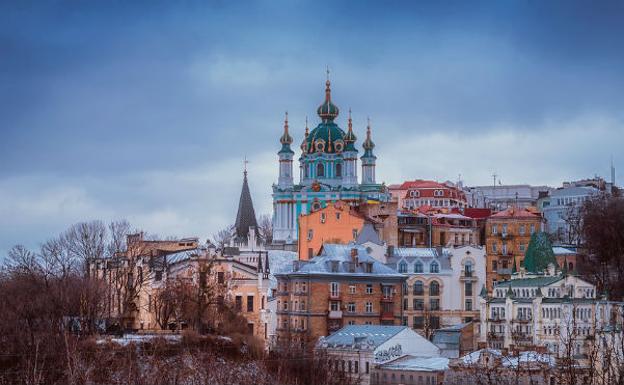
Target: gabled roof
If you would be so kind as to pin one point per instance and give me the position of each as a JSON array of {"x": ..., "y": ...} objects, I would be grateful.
[
  {"x": 368, "y": 335},
  {"x": 368, "y": 234}
]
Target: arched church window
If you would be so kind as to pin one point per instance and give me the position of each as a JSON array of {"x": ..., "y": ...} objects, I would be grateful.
[
  {"x": 434, "y": 289},
  {"x": 339, "y": 170},
  {"x": 320, "y": 170}
]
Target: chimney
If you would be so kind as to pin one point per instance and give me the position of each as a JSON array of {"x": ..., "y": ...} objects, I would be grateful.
[
  {"x": 354, "y": 256},
  {"x": 390, "y": 251}
]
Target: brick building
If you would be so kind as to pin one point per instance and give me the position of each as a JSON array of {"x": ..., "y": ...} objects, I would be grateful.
[
  {"x": 432, "y": 227},
  {"x": 344, "y": 285},
  {"x": 507, "y": 236}
]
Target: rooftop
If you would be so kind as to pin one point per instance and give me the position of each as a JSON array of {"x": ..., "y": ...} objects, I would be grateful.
[
  {"x": 417, "y": 364},
  {"x": 369, "y": 335}
]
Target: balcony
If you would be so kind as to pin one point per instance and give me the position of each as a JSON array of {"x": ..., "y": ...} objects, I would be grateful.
[
  {"x": 335, "y": 314},
  {"x": 523, "y": 319},
  {"x": 505, "y": 235},
  {"x": 504, "y": 271},
  {"x": 387, "y": 299},
  {"x": 496, "y": 319},
  {"x": 468, "y": 276}
]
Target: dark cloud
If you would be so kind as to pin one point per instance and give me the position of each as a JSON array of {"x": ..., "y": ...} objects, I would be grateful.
[{"x": 95, "y": 96}]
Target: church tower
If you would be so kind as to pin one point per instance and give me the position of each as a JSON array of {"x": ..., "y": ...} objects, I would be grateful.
[
  {"x": 246, "y": 234},
  {"x": 285, "y": 159},
  {"x": 368, "y": 159},
  {"x": 328, "y": 172}
]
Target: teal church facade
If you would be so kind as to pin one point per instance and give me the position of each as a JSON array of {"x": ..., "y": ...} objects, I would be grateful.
[{"x": 328, "y": 171}]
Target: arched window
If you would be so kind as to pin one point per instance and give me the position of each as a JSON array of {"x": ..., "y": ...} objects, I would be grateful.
[
  {"x": 434, "y": 267},
  {"x": 402, "y": 267},
  {"x": 339, "y": 170},
  {"x": 320, "y": 170},
  {"x": 434, "y": 288},
  {"x": 418, "y": 267},
  {"x": 418, "y": 288}
]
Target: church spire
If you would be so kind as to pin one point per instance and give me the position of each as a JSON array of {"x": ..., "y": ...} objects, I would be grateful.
[{"x": 246, "y": 215}]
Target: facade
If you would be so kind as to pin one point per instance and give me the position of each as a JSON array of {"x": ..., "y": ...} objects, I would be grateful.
[
  {"x": 411, "y": 370},
  {"x": 328, "y": 172},
  {"x": 558, "y": 312},
  {"x": 501, "y": 197},
  {"x": 507, "y": 236},
  {"x": 413, "y": 194},
  {"x": 562, "y": 212},
  {"x": 494, "y": 366},
  {"x": 384, "y": 217},
  {"x": 442, "y": 285},
  {"x": 426, "y": 227},
  {"x": 342, "y": 286},
  {"x": 335, "y": 223},
  {"x": 455, "y": 341},
  {"x": 361, "y": 349}
]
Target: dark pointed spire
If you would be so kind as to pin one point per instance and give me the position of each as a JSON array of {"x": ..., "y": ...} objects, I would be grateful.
[
  {"x": 267, "y": 269},
  {"x": 260, "y": 270},
  {"x": 246, "y": 216}
]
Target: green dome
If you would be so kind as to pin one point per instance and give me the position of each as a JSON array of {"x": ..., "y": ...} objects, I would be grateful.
[
  {"x": 328, "y": 110},
  {"x": 327, "y": 138}
]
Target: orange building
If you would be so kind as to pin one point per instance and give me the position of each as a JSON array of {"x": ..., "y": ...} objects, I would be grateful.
[
  {"x": 507, "y": 236},
  {"x": 336, "y": 223}
]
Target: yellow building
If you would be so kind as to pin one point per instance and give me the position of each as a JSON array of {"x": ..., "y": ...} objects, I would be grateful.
[{"x": 507, "y": 236}]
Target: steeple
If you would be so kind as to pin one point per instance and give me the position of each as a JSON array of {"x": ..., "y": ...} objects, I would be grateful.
[
  {"x": 246, "y": 216},
  {"x": 350, "y": 137},
  {"x": 328, "y": 110},
  {"x": 286, "y": 140},
  {"x": 368, "y": 159}
]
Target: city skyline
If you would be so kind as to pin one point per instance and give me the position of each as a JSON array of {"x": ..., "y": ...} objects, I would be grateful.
[{"x": 148, "y": 115}]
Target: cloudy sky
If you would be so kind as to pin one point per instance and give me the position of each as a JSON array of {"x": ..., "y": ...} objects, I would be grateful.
[{"x": 145, "y": 110}]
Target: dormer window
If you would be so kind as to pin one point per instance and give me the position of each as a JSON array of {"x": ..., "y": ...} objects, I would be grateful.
[
  {"x": 334, "y": 266},
  {"x": 402, "y": 267},
  {"x": 319, "y": 145},
  {"x": 434, "y": 267}
]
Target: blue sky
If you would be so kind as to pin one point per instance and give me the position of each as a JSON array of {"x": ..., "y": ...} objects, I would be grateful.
[{"x": 145, "y": 110}]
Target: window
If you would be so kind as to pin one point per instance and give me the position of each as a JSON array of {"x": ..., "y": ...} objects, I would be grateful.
[
  {"x": 504, "y": 248},
  {"x": 355, "y": 233},
  {"x": 369, "y": 289},
  {"x": 494, "y": 265},
  {"x": 418, "y": 267},
  {"x": 351, "y": 289},
  {"x": 405, "y": 303},
  {"x": 320, "y": 169},
  {"x": 419, "y": 322},
  {"x": 334, "y": 306},
  {"x": 402, "y": 267},
  {"x": 434, "y": 289},
  {"x": 434, "y": 304},
  {"x": 494, "y": 230},
  {"x": 351, "y": 307},
  {"x": 310, "y": 234},
  {"x": 532, "y": 229},
  {"x": 387, "y": 292},
  {"x": 418, "y": 288},
  {"x": 419, "y": 304},
  {"x": 337, "y": 216},
  {"x": 339, "y": 170},
  {"x": 323, "y": 217},
  {"x": 434, "y": 322},
  {"x": 250, "y": 303},
  {"x": 158, "y": 275},
  {"x": 522, "y": 247},
  {"x": 239, "y": 303},
  {"x": 522, "y": 230},
  {"x": 494, "y": 247},
  {"x": 504, "y": 229},
  {"x": 434, "y": 267},
  {"x": 334, "y": 289},
  {"x": 468, "y": 305},
  {"x": 468, "y": 288},
  {"x": 369, "y": 307},
  {"x": 468, "y": 269}
]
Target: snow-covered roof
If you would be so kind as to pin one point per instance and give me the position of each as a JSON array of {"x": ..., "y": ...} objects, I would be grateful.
[
  {"x": 509, "y": 360},
  {"x": 336, "y": 259},
  {"x": 417, "y": 364},
  {"x": 367, "y": 335},
  {"x": 558, "y": 250}
]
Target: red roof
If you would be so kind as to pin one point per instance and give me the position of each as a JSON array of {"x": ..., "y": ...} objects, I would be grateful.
[
  {"x": 419, "y": 183},
  {"x": 476, "y": 213},
  {"x": 513, "y": 212}
]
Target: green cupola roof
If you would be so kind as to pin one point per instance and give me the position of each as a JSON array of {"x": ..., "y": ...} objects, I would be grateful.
[
  {"x": 350, "y": 137},
  {"x": 328, "y": 110},
  {"x": 286, "y": 140},
  {"x": 368, "y": 144}
]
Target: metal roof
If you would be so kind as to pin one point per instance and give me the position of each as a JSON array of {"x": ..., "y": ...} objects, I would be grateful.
[{"x": 367, "y": 335}]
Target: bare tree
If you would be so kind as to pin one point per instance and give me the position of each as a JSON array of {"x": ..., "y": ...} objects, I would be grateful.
[
  {"x": 222, "y": 237},
  {"x": 265, "y": 225},
  {"x": 85, "y": 241}
]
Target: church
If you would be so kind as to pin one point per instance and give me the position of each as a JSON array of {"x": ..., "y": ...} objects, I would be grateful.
[{"x": 328, "y": 171}]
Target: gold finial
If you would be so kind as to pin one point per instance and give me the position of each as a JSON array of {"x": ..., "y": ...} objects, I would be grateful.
[
  {"x": 307, "y": 130},
  {"x": 327, "y": 87},
  {"x": 286, "y": 123},
  {"x": 350, "y": 121}
]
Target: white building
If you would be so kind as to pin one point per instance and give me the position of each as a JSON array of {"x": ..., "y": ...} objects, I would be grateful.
[
  {"x": 442, "y": 285},
  {"x": 552, "y": 310},
  {"x": 503, "y": 196},
  {"x": 356, "y": 349},
  {"x": 562, "y": 212}
]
